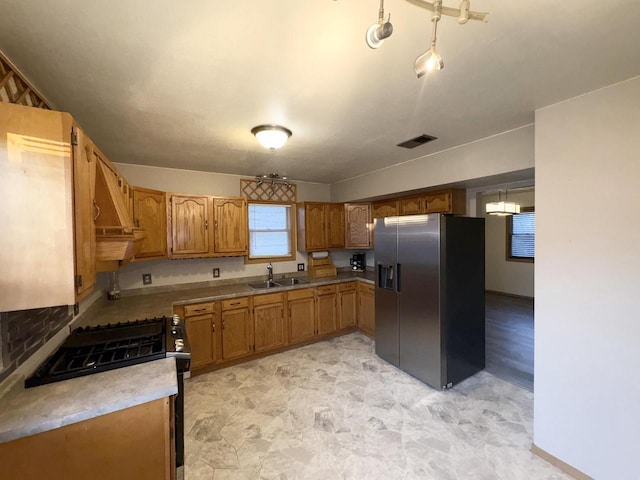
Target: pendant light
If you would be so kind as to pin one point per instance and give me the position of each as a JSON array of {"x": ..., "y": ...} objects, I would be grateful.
[{"x": 502, "y": 208}]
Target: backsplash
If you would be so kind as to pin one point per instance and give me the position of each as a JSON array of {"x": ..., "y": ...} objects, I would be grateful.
[{"x": 23, "y": 332}]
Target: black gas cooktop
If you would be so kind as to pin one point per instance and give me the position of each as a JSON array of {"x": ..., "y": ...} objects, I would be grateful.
[{"x": 90, "y": 350}]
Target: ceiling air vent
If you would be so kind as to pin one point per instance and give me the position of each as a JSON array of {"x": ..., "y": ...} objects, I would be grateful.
[{"x": 416, "y": 142}]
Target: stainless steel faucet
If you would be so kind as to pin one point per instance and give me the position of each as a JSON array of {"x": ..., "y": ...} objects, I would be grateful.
[{"x": 270, "y": 270}]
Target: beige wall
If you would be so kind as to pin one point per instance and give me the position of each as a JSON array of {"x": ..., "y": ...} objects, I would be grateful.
[
  {"x": 587, "y": 380},
  {"x": 170, "y": 272},
  {"x": 504, "y": 153},
  {"x": 501, "y": 275}
]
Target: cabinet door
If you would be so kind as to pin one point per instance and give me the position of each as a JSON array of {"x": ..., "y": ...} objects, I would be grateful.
[
  {"x": 347, "y": 304},
  {"x": 358, "y": 225},
  {"x": 189, "y": 226},
  {"x": 201, "y": 333},
  {"x": 335, "y": 225},
  {"x": 231, "y": 226},
  {"x": 150, "y": 213},
  {"x": 237, "y": 333},
  {"x": 412, "y": 205},
  {"x": 386, "y": 208},
  {"x": 438, "y": 203},
  {"x": 367, "y": 310},
  {"x": 268, "y": 326},
  {"x": 302, "y": 319},
  {"x": 84, "y": 186},
  {"x": 315, "y": 224},
  {"x": 327, "y": 313}
]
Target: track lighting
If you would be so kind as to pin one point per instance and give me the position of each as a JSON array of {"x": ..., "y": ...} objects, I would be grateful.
[
  {"x": 377, "y": 32},
  {"x": 431, "y": 60}
]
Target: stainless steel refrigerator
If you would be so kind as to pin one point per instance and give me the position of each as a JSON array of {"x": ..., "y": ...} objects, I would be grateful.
[{"x": 430, "y": 296}]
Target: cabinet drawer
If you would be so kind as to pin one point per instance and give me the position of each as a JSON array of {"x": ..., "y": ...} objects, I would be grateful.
[
  {"x": 326, "y": 289},
  {"x": 198, "y": 309},
  {"x": 298, "y": 294},
  {"x": 347, "y": 287},
  {"x": 363, "y": 287},
  {"x": 268, "y": 298},
  {"x": 234, "y": 303}
]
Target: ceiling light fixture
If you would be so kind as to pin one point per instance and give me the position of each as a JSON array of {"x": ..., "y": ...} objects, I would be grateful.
[
  {"x": 271, "y": 136},
  {"x": 502, "y": 208},
  {"x": 431, "y": 60},
  {"x": 377, "y": 32}
]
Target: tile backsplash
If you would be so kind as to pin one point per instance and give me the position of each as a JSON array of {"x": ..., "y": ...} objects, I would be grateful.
[{"x": 23, "y": 332}]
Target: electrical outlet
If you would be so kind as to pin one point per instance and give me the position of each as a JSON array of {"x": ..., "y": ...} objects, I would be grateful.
[
  {"x": 216, "y": 273},
  {"x": 301, "y": 267},
  {"x": 146, "y": 279}
]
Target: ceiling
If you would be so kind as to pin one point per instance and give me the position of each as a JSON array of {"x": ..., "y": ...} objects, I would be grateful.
[{"x": 180, "y": 84}]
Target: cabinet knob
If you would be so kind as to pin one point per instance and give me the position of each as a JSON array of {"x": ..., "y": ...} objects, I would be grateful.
[{"x": 213, "y": 327}]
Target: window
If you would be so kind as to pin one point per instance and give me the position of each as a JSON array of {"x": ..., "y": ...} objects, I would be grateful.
[
  {"x": 270, "y": 231},
  {"x": 521, "y": 236}
]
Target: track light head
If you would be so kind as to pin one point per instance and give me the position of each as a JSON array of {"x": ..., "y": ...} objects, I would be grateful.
[
  {"x": 428, "y": 62},
  {"x": 377, "y": 32}
]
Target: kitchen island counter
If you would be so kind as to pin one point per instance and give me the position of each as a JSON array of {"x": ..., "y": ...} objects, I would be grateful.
[{"x": 28, "y": 411}]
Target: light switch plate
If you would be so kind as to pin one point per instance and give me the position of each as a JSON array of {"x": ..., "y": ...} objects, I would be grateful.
[
  {"x": 146, "y": 279},
  {"x": 301, "y": 267},
  {"x": 216, "y": 273}
]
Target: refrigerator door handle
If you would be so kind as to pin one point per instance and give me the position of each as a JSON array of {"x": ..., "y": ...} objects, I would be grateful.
[{"x": 398, "y": 278}]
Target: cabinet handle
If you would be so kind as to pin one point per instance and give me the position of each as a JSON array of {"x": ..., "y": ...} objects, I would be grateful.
[
  {"x": 234, "y": 304},
  {"x": 215, "y": 224},
  {"x": 206, "y": 224},
  {"x": 199, "y": 309},
  {"x": 213, "y": 327},
  {"x": 97, "y": 208},
  {"x": 223, "y": 325}
]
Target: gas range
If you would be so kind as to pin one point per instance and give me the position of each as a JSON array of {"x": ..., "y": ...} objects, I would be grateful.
[{"x": 90, "y": 350}]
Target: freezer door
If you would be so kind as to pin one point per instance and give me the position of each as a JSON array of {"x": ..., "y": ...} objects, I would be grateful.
[
  {"x": 385, "y": 252},
  {"x": 419, "y": 298}
]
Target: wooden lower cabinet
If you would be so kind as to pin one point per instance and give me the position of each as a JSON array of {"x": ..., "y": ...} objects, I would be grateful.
[
  {"x": 237, "y": 328},
  {"x": 367, "y": 309},
  {"x": 302, "y": 315},
  {"x": 136, "y": 442},
  {"x": 347, "y": 305},
  {"x": 201, "y": 335},
  {"x": 268, "y": 321},
  {"x": 326, "y": 309}
]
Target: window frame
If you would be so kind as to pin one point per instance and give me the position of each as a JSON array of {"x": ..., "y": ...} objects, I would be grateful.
[
  {"x": 509, "y": 228},
  {"x": 292, "y": 234}
]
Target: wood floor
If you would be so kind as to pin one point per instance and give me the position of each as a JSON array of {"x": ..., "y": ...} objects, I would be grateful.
[{"x": 509, "y": 339}]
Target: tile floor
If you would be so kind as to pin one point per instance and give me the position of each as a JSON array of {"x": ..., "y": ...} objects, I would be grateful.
[{"x": 334, "y": 410}]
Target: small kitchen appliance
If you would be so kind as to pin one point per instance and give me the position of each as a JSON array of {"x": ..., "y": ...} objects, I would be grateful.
[
  {"x": 358, "y": 262},
  {"x": 89, "y": 350}
]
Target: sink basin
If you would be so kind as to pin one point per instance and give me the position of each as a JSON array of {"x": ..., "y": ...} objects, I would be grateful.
[
  {"x": 290, "y": 281},
  {"x": 266, "y": 284}
]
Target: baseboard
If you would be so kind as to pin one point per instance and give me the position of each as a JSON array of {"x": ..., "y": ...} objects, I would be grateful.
[
  {"x": 511, "y": 295},
  {"x": 565, "y": 467}
]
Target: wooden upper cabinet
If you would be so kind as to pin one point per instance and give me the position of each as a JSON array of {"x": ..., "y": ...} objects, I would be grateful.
[
  {"x": 84, "y": 186},
  {"x": 358, "y": 218},
  {"x": 386, "y": 208},
  {"x": 189, "y": 226},
  {"x": 449, "y": 201},
  {"x": 150, "y": 213},
  {"x": 231, "y": 229},
  {"x": 312, "y": 219},
  {"x": 44, "y": 248},
  {"x": 412, "y": 205},
  {"x": 335, "y": 225}
]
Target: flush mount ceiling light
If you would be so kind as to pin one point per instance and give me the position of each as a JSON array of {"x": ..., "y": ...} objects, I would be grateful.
[
  {"x": 431, "y": 59},
  {"x": 502, "y": 208},
  {"x": 271, "y": 136},
  {"x": 377, "y": 32}
]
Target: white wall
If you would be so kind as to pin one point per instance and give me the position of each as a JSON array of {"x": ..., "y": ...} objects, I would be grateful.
[
  {"x": 504, "y": 153},
  {"x": 171, "y": 272},
  {"x": 587, "y": 339},
  {"x": 501, "y": 275}
]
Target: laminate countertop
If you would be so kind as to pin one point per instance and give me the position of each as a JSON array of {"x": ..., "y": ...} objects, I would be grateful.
[{"x": 27, "y": 411}]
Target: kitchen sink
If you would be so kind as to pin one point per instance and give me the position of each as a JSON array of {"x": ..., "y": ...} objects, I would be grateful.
[
  {"x": 285, "y": 282},
  {"x": 265, "y": 284}
]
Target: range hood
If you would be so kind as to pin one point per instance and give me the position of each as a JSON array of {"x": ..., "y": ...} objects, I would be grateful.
[{"x": 117, "y": 238}]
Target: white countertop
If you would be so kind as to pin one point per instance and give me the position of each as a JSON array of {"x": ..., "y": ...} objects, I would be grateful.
[{"x": 27, "y": 411}]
